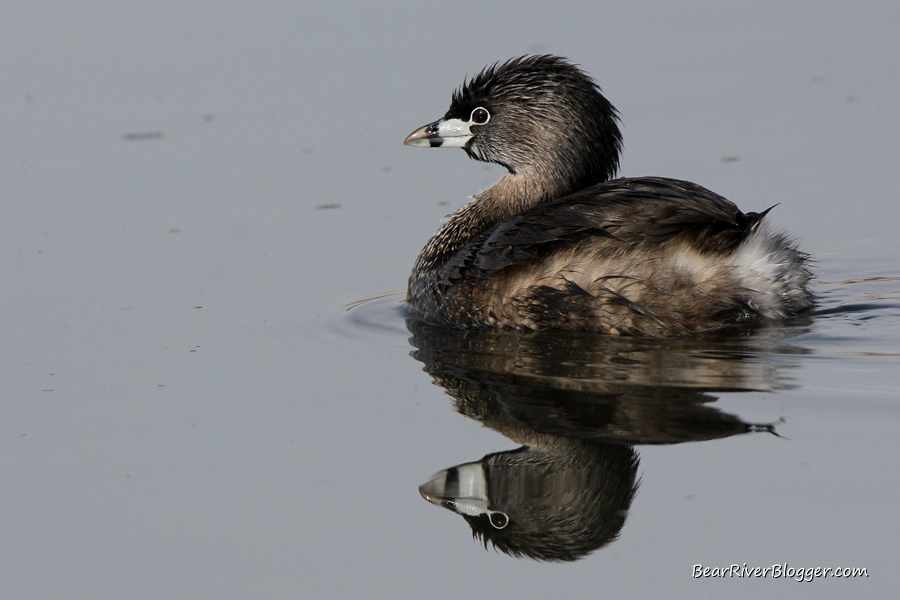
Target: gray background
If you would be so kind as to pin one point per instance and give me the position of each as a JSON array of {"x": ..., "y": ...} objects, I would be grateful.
[{"x": 188, "y": 410}]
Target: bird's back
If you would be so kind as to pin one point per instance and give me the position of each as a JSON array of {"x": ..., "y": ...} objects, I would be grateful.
[{"x": 645, "y": 256}]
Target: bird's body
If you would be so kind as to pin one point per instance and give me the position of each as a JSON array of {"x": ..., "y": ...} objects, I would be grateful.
[{"x": 556, "y": 243}]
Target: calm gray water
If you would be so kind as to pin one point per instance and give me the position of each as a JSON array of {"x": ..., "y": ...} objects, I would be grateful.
[{"x": 195, "y": 404}]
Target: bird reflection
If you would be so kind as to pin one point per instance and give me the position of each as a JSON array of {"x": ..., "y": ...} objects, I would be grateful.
[
  {"x": 577, "y": 404},
  {"x": 553, "y": 503}
]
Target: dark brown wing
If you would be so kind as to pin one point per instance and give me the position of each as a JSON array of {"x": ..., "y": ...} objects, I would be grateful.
[{"x": 623, "y": 212}]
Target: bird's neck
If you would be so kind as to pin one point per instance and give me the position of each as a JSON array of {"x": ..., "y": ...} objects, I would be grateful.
[{"x": 513, "y": 194}]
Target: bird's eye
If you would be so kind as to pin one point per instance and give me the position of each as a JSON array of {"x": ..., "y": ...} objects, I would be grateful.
[{"x": 480, "y": 116}]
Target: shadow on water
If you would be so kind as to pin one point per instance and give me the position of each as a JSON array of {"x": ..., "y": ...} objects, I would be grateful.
[{"x": 577, "y": 405}]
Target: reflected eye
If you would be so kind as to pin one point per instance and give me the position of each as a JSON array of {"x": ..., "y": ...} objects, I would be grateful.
[
  {"x": 480, "y": 116},
  {"x": 499, "y": 520}
]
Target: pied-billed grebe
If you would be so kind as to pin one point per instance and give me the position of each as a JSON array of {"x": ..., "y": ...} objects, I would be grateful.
[{"x": 556, "y": 243}]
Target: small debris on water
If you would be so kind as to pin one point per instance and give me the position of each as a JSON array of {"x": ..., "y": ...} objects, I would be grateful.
[{"x": 145, "y": 135}]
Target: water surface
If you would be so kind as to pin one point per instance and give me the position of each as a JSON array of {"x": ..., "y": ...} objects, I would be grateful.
[{"x": 194, "y": 196}]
